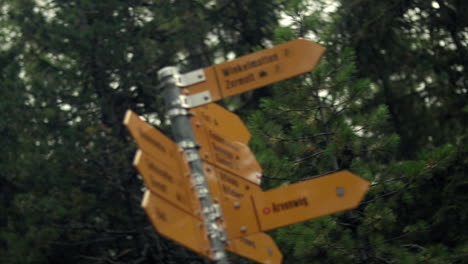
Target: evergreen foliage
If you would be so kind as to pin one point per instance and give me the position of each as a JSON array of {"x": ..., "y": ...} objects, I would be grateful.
[{"x": 387, "y": 101}]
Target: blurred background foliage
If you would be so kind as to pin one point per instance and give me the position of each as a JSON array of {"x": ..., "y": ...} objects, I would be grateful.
[{"x": 388, "y": 101}]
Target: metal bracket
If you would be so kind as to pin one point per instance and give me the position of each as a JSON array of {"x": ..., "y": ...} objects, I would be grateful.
[
  {"x": 190, "y": 78},
  {"x": 199, "y": 99},
  {"x": 223, "y": 235},
  {"x": 198, "y": 179},
  {"x": 201, "y": 191},
  {"x": 194, "y": 100},
  {"x": 217, "y": 211},
  {"x": 178, "y": 112},
  {"x": 182, "y": 101},
  {"x": 187, "y": 144},
  {"x": 219, "y": 255},
  {"x": 191, "y": 155}
]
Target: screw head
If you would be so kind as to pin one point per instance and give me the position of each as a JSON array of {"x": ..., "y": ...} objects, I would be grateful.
[
  {"x": 270, "y": 251},
  {"x": 340, "y": 191}
]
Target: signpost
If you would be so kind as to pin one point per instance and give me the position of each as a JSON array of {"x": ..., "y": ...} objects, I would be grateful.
[
  {"x": 259, "y": 69},
  {"x": 167, "y": 183},
  {"x": 204, "y": 190},
  {"x": 161, "y": 164},
  {"x": 235, "y": 197},
  {"x": 152, "y": 141},
  {"x": 226, "y": 151},
  {"x": 224, "y": 122},
  {"x": 309, "y": 199}
]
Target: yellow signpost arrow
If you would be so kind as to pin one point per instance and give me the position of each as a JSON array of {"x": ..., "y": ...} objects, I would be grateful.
[
  {"x": 259, "y": 69},
  {"x": 309, "y": 199},
  {"x": 223, "y": 139},
  {"x": 167, "y": 183},
  {"x": 234, "y": 194},
  {"x": 162, "y": 166},
  {"x": 176, "y": 224},
  {"x": 221, "y": 120},
  {"x": 152, "y": 141},
  {"x": 259, "y": 247}
]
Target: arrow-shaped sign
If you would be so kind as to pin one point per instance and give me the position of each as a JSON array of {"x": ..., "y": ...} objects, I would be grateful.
[
  {"x": 309, "y": 199},
  {"x": 223, "y": 143},
  {"x": 167, "y": 183},
  {"x": 235, "y": 197},
  {"x": 259, "y": 247},
  {"x": 162, "y": 166},
  {"x": 259, "y": 69},
  {"x": 152, "y": 141},
  {"x": 176, "y": 224},
  {"x": 221, "y": 120}
]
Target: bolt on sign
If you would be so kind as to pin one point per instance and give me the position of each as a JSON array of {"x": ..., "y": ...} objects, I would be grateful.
[
  {"x": 231, "y": 170},
  {"x": 259, "y": 69}
]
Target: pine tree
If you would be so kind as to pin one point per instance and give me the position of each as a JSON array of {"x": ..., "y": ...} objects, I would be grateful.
[
  {"x": 70, "y": 70},
  {"x": 310, "y": 127}
]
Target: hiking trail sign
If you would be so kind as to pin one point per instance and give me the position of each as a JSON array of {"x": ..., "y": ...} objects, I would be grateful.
[
  {"x": 204, "y": 191},
  {"x": 257, "y": 69}
]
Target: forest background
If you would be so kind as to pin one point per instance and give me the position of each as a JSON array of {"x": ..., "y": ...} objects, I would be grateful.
[{"x": 388, "y": 102}]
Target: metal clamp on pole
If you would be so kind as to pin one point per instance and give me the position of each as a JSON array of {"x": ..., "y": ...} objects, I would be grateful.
[
  {"x": 182, "y": 130},
  {"x": 187, "y": 144},
  {"x": 183, "y": 80},
  {"x": 194, "y": 100},
  {"x": 191, "y": 155},
  {"x": 178, "y": 112},
  {"x": 190, "y": 78}
]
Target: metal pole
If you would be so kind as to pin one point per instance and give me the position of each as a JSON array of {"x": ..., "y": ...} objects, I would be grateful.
[{"x": 184, "y": 136}]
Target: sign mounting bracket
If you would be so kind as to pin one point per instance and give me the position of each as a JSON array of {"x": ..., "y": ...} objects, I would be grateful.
[
  {"x": 194, "y": 100},
  {"x": 190, "y": 78}
]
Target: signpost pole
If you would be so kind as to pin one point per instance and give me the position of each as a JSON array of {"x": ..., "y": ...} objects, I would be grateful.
[{"x": 184, "y": 136}]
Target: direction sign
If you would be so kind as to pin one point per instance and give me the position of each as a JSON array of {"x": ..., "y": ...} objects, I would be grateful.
[
  {"x": 161, "y": 164},
  {"x": 223, "y": 121},
  {"x": 233, "y": 156},
  {"x": 176, "y": 224},
  {"x": 167, "y": 182},
  {"x": 259, "y": 69},
  {"x": 152, "y": 141},
  {"x": 259, "y": 247},
  {"x": 234, "y": 194},
  {"x": 309, "y": 199}
]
